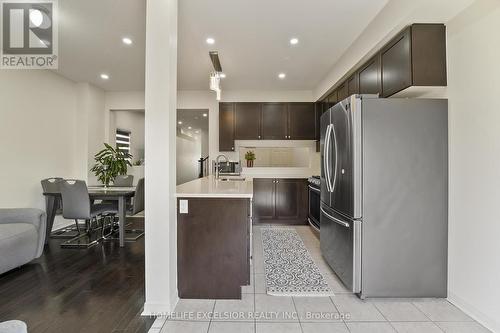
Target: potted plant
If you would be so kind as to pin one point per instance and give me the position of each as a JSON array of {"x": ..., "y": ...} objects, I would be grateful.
[
  {"x": 110, "y": 162},
  {"x": 250, "y": 157}
]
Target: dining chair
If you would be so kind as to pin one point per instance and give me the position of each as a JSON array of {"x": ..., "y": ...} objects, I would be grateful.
[
  {"x": 77, "y": 205},
  {"x": 138, "y": 204},
  {"x": 124, "y": 181},
  {"x": 52, "y": 185}
]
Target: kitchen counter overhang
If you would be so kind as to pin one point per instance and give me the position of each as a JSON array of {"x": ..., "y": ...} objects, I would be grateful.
[{"x": 209, "y": 187}]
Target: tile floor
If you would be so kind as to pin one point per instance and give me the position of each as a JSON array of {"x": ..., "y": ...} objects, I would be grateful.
[{"x": 343, "y": 312}]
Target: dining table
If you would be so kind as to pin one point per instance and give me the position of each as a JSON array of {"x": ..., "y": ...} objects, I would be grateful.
[{"x": 110, "y": 193}]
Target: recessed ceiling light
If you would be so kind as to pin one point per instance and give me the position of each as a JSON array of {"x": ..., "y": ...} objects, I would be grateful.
[
  {"x": 179, "y": 122},
  {"x": 282, "y": 75},
  {"x": 197, "y": 132},
  {"x": 222, "y": 75},
  {"x": 294, "y": 41},
  {"x": 210, "y": 41},
  {"x": 127, "y": 41},
  {"x": 104, "y": 76},
  {"x": 189, "y": 127},
  {"x": 205, "y": 115}
]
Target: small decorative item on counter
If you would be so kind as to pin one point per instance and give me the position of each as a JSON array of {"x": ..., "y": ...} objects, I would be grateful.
[{"x": 250, "y": 157}]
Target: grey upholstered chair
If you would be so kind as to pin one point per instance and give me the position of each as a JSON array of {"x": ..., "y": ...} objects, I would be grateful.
[
  {"x": 52, "y": 185},
  {"x": 138, "y": 205},
  {"x": 22, "y": 236},
  {"x": 124, "y": 181},
  {"x": 77, "y": 205}
]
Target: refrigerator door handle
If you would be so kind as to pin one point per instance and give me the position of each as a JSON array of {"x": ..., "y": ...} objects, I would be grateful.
[
  {"x": 327, "y": 158},
  {"x": 342, "y": 223},
  {"x": 332, "y": 186}
]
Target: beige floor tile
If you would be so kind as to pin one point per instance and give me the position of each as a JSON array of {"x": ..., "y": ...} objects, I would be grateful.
[
  {"x": 316, "y": 309},
  {"x": 277, "y": 328},
  {"x": 396, "y": 310},
  {"x": 235, "y": 310},
  {"x": 324, "y": 328},
  {"x": 185, "y": 327},
  {"x": 370, "y": 327},
  {"x": 260, "y": 284},
  {"x": 413, "y": 327},
  {"x": 441, "y": 310},
  {"x": 274, "y": 308},
  {"x": 231, "y": 327},
  {"x": 461, "y": 327},
  {"x": 354, "y": 309},
  {"x": 194, "y": 309}
]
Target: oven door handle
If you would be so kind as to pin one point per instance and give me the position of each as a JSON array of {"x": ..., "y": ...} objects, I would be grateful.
[{"x": 314, "y": 189}]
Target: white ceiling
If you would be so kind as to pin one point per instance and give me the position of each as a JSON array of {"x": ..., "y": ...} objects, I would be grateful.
[
  {"x": 252, "y": 38},
  {"x": 90, "y": 34}
]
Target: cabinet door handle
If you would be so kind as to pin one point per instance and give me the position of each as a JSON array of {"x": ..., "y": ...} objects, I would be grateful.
[
  {"x": 259, "y": 136},
  {"x": 232, "y": 148}
]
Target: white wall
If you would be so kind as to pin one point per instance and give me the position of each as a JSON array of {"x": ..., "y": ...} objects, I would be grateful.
[
  {"x": 89, "y": 127},
  {"x": 132, "y": 121},
  {"x": 188, "y": 153},
  {"x": 37, "y": 131},
  {"x": 49, "y": 127},
  {"x": 120, "y": 100},
  {"x": 474, "y": 127}
]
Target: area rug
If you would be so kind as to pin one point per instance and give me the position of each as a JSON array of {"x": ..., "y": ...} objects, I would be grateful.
[{"x": 289, "y": 268}]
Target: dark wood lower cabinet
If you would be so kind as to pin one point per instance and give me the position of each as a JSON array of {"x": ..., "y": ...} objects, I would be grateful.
[
  {"x": 280, "y": 201},
  {"x": 213, "y": 242}
]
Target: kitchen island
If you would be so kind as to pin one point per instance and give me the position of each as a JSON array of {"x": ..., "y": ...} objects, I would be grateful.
[{"x": 214, "y": 228}]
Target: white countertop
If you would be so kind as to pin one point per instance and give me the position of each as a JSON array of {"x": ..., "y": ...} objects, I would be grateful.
[{"x": 209, "y": 187}]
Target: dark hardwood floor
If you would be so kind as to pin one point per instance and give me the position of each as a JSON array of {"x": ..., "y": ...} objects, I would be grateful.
[{"x": 100, "y": 289}]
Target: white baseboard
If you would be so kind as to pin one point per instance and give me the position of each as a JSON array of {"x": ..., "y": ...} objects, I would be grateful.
[
  {"x": 160, "y": 309},
  {"x": 490, "y": 323}
]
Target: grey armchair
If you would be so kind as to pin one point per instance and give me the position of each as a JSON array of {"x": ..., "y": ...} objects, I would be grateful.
[{"x": 22, "y": 236}]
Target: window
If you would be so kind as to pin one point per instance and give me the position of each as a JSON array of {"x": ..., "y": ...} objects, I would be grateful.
[{"x": 123, "y": 140}]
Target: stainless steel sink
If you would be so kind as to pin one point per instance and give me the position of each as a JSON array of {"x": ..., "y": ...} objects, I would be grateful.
[{"x": 231, "y": 179}]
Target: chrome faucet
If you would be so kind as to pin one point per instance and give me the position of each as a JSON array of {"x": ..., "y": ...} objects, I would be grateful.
[{"x": 217, "y": 166}]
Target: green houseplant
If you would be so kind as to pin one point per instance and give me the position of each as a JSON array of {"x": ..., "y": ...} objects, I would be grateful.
[
  {"x": 250, "y": 157},
  {"x": 110, "y": 162}
]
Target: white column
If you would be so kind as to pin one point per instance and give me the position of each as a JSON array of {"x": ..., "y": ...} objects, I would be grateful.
[{"x": 161, "y": 100}]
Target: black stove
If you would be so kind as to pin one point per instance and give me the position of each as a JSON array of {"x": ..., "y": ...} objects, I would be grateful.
[{"x": 314, "y": 201}]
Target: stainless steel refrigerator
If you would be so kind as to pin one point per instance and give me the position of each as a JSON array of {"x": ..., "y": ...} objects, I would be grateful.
[{"x": 384, "y": 195}]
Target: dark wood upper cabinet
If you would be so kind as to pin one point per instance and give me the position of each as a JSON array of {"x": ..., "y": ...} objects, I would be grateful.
[
  {"x": 226, "y": 126},
  {"x": 396, "y": 64},
  {"x": 428, "y": 54},
  {"x": 352, "y": 85},
  {"x": 247, "y": 121},
  {"x": 369, "y": 77},
  {"x": 301, "y": 121},
  {"x": 269, "y": 121},
  {"x": 342, "y": 92},
  {"x": 274, "y": 121},
  {"x": 332, "y": 98},
  {"x": 416, "y": 57}
]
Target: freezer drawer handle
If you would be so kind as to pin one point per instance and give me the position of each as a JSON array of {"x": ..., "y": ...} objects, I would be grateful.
[{"x": 342, "y": 223}]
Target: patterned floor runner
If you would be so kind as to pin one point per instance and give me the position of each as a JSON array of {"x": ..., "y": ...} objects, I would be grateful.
[{"x": 289, "y": 268}]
